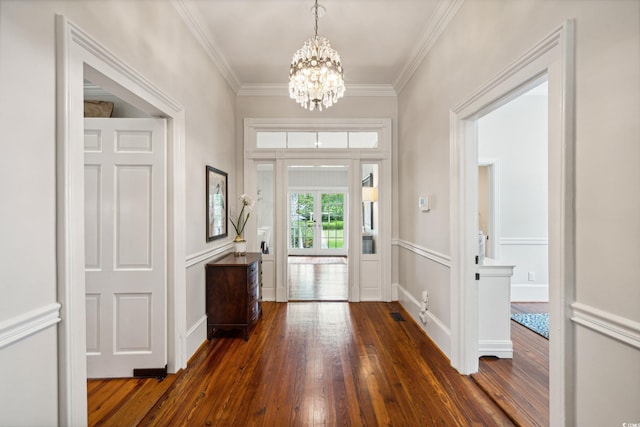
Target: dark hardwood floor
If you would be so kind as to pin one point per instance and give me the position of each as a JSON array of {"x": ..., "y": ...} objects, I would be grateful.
[
  {"x": 318, "y": 279},
  {"x": 307, "y": 364},
  {"x": 520, "y": 386}
]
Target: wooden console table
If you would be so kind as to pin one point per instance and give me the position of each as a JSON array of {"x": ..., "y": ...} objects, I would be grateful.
[{"x": 233, "y": 293}]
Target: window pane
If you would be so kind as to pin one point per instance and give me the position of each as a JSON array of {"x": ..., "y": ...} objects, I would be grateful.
[
  {"x": 369, "y": 207},
  {"x": 301, "y": 208},
  {"x": 271, "y": 139},
  {"x": 332, "y": 234},
  {"x": 332, "y": 140},
  {"x": 265, "y": 207},
  {"x": 301, "y": 140},
  {"x": 363, "y": 139}
]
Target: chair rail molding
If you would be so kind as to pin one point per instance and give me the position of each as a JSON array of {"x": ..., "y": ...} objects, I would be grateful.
[
  {"x": 197, "y": 258},
  {"x": 424, "y": 252},
  {"x": 29, "y": 323},
  {"x": 610, "y": 325}
]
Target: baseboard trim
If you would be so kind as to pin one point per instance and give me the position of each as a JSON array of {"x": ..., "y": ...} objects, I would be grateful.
[
  {"x": 521, "y": 292},
  {"x": 196, "y": 335},
  {"x": 502, "y": 349},
  {"x": 611, "y": 325},
  {"x": 268, "y": 294},
  {"x": 435, "y": 328},
  {"x": 29, "y": 323}
]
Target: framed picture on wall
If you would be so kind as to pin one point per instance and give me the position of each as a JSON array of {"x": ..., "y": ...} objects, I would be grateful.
[{"x": 217, "y": 206}]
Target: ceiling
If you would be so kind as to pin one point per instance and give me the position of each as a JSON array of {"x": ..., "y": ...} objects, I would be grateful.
[{"x": 380, "y": 41}]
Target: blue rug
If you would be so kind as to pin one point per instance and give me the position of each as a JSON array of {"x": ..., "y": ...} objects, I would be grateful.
[{"x": 537, "y": 322}]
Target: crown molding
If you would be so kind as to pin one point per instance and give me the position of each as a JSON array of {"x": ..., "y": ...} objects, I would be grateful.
[
  {"x": 445, "y": 11},
  {"x": 206, "y": 40},
  {"x": 260, "y": 89}
]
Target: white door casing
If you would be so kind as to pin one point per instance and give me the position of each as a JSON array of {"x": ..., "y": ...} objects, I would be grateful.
[
  {"x": 553, "y": 57},
  {"x": 284, "y": 158},
  {"x": 79, "y": 56},
  {"x": 125, "y": 245}
]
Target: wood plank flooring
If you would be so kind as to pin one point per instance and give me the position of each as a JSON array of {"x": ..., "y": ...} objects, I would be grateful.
[
  {"x": 520, "y": 386},
  {"x": 318, "y": 279},
  {"x": 308, "y": 364}
]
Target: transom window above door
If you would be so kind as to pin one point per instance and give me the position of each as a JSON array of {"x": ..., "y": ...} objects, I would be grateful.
[{"x": 316, "y": 140}]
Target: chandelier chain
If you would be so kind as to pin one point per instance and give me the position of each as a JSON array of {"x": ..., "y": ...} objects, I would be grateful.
[{"x": 315, "y": 13}]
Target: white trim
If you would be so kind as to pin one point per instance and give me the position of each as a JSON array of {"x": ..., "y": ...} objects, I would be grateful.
[
  {"x": 610, "y": 325},
  {"x": 196, "y": 325},
  {"x": 282, "y": 158},
  {"x": 206, "y": 40},
  {"x": 78, "y": 56},
  {"x": 424, "y": 252},
  {"x": 552, "y": 57},
  {"x": 500, "y": 348},
  {"x": 196, "y": 335},
  {"x": 444, "y": 13},
  {"x": 29, "y": 323},
  {"x": 522, "y": 241},
  {"x": 434, "y": 328},
  {"x": 352, "y": 90},
  {"x": 197, "y": 258}
]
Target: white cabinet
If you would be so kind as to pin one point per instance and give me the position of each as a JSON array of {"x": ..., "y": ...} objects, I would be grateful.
[{"x": 494, "y": 311}]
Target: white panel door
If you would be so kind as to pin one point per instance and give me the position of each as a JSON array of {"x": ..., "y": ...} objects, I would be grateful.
[{"x": 125, "y": 246}]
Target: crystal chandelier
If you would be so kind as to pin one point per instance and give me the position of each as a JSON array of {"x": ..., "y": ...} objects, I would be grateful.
[{"x": 315, "y": 75}]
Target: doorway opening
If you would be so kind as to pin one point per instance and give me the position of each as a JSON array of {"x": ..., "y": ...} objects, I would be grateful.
[
  {"x": 318, "y": 233},
  {"x": 551, "y": 58},
  {"x": 81, "y": 58},
  {"x": 513, "y": 232}
]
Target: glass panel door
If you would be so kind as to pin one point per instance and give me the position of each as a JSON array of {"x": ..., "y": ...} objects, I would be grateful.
[
  {"x": 301, "y": 223},
  {"x": 317, "y": 223}
]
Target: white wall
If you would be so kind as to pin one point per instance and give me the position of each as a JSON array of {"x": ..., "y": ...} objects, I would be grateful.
[
  {"x": 515, "y": 135},
  {"x": 155, "y": 42},
  {"x": 481, "y": 40}
]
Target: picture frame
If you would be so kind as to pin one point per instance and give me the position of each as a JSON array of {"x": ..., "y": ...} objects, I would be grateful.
[{"x": 217, "y": 204}]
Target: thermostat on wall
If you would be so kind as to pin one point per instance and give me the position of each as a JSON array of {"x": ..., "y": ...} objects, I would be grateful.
[{"x": 423, "y": 204}]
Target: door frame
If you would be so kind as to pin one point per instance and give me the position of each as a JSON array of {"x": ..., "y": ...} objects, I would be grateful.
[
  {"x": 553, "y": 57},
  {"x": 78, "y": 56},
  {"x": 318, "y": 191},
  {"x": 282, "y": 158}
]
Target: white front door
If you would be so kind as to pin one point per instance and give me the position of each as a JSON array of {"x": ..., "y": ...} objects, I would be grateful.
[
  {"x": 125, "y": 246},
  {"x": 317, "y": 223}
]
